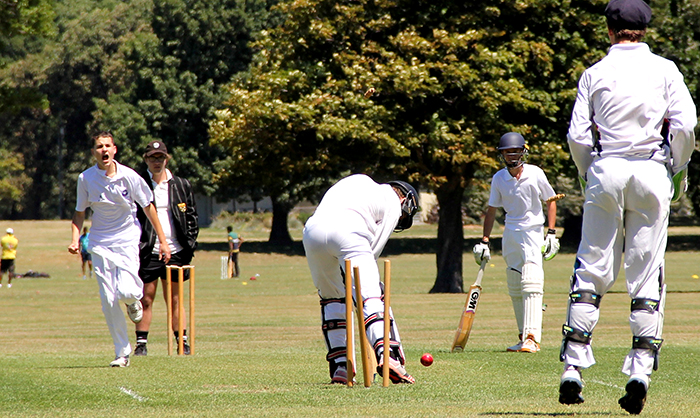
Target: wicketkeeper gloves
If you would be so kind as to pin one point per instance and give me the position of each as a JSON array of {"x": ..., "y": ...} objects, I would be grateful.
[
  {"x": 551, "y": 245},
  {"x": 482, "y": 252}
]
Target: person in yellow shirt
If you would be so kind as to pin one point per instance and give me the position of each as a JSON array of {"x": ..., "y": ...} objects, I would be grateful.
[{"x": 9, "y": 253}]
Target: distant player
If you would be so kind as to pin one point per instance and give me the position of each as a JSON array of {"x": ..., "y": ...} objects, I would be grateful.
[
  {"x": 630, "y": 171},
  {"x": 520, "y": 189},
  {"x": 85, "y": 256},
  {"x": 234, "y": 248},
  {"x": 112, "y": 191},
  {"x": 354, "y": 221},
  {"x": 9, "y": 254}
]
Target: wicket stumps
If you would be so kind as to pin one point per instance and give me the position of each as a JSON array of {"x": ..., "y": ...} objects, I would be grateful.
[
  {"x": 369, "y": 363},
  {"x": 181, "y": 310},
  {"x": 224, "y": 268}
]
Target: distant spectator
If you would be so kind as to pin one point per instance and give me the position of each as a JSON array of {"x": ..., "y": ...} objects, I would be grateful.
[
  {"x": 86, "y": 257},
  {"x": 9, "y": 253},
  {"x": 234, "y": 247}
]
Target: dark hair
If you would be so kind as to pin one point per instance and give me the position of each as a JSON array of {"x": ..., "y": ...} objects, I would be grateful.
[
  {"x": 632, "y": 35},
  {"x": 229, "y": 228}
]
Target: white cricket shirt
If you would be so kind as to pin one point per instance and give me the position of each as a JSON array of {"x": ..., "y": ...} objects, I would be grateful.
[
  {"x": 521, "y": 198},
  {"x": 162, "y": 202},
  {"x": 627, "y": 95},
  {"x": 358, "y": 205},
  {"x": 113, "y": 202}
]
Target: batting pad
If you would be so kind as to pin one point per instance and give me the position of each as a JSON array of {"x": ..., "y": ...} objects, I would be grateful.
[
  {"x": 533, "y": 289},
  {"x": 513, "y": 278}
]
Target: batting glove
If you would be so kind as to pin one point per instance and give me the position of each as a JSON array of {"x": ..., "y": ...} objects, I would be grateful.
[
  {"x": 582, "y": 182},
  {"x": 680, "y": 184},
  {"x": 482, "y": 252},
  {"x": 551, "y": 245}
]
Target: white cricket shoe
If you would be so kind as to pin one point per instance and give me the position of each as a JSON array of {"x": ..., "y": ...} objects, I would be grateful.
[
  {"x": 516, "y": 347},
  {"x": 120, "y": 362},
  {"x": 135, "y": 311},
  {"x": 529, "y": 345}
]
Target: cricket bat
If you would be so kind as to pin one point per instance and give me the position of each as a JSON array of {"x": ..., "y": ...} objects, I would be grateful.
[{"x": 467, "y": 320}]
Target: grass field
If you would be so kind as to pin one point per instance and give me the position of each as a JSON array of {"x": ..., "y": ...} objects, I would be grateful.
[{"x": 260, "y": 352}]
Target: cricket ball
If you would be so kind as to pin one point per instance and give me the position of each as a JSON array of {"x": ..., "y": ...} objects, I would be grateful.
[{"x": 426, "y": 360}]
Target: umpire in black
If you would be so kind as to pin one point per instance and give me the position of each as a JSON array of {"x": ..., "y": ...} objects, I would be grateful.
[{"x": 177, "y": 213}]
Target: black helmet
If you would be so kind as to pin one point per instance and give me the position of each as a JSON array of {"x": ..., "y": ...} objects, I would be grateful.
[
  {"x": 513, "y": 140},
  {"x": 409, "y": 207}
]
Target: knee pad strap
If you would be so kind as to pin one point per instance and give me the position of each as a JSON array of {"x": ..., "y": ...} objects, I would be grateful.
[
  {"x": 331, "y": 324},
  {"x": 586, "y": 296},
  {"x": 649, "y": 305}
]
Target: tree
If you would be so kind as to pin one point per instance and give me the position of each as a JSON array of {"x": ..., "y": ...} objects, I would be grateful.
[{"x": 451, "y": 77}]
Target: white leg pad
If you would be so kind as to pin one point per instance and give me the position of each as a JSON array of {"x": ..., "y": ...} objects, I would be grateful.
[
  {"x": 335, "y": 337},
  {"x": 515, "y": 290},
  {"x": 532, "y": 294}
]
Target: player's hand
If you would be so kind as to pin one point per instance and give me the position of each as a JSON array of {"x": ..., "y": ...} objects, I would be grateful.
[
  {"x": 680, "y": 184},
  {"x": 73, "y": 248},
  {"x": 551, "y": 246},
  {"x": 482, "y": 252},
  {"x": 165, "y": 253}
]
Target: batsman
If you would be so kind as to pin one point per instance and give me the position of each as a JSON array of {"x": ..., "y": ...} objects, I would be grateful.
[
  {"x": 354, "y": 221},
  {"x": 520, "y": 189}
]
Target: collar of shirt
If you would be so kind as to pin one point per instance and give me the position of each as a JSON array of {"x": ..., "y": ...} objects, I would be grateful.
[
  {"x": 630, "y": 46},
  {"x": 168, "y": 176},
  {"x": 117, "y": 171}
]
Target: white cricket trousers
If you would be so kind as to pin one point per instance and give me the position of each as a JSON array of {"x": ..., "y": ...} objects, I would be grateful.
[
  {"x": 327, "y": 247},
  {"x": 116, "y": 270},
  {"x": 626, "y": 208}
]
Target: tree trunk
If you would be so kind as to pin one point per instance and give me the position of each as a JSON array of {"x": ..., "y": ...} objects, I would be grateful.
[
  {"x": 450, "y": 238},
  {"x": 279, "y": 234}
]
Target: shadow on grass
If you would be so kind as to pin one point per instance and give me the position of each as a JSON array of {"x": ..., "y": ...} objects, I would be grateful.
[
  {"x": 397, "y": 246},
  {"x": 543, "y": 414}
]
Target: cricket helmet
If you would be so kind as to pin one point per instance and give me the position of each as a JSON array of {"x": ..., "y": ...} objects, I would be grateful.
[
  {"x": 409, "y": 207},
  {"x": 513, "y": 140}
]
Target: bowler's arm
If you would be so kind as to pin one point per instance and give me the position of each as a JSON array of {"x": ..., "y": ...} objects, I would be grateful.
[{"x": 76, "y": 227}]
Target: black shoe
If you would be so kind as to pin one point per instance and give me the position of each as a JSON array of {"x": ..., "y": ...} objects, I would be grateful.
[
  {"x": 633, "y": 401},
  {"x": 141, "y": 349},
  {"x": 185, "y": 346},
  {"x": 570, "y": 392}
]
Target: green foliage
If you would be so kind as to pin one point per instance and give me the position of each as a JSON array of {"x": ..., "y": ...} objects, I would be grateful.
[{"x": 13, "y": 181}]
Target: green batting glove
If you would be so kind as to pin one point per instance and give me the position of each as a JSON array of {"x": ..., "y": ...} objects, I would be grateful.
[
  {"x": 680, "y": 184},
  {"x": 582, "y": 182}
]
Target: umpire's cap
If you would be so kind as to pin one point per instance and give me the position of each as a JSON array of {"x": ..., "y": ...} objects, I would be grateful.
[
  {"x": 628, "y": 14},
  {"x": 511, "y": 140},
  {"x": 409, "y": 207}
]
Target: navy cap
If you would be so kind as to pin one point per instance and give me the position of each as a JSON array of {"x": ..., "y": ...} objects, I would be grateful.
[{"x": 628, "y": 14}]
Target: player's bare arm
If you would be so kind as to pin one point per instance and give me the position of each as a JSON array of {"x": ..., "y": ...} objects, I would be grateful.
[
  {"x": 552, "y": 214},
  {"x": 152, "y": 216},
  {"x": 76, "y": 227},
  {"x": 489, "y": 219}
]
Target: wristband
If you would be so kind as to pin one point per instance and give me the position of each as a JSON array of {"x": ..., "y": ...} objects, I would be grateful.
[
  {"x": 551, "y": 231},
  {"x": 488, "y": 243}
]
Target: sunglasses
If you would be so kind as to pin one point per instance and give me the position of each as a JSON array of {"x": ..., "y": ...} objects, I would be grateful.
[{"x": 156, "y": 159}]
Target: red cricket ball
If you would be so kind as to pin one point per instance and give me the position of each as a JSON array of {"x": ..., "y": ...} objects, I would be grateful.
[{"x": 426, "y": 360}]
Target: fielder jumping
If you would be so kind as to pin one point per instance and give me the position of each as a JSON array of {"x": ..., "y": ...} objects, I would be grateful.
[
  {"x": 354, "y": 221},
  {"x": 631, "y": 172},
  {"x": 520, "y": 189}
]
